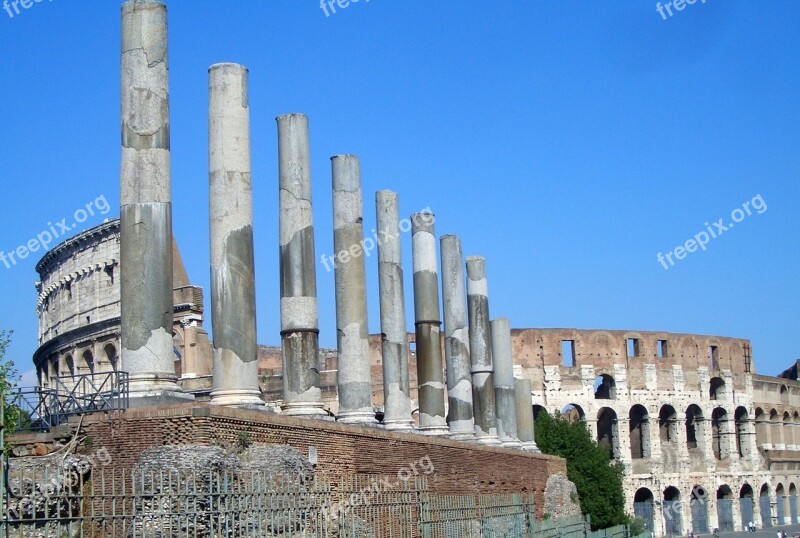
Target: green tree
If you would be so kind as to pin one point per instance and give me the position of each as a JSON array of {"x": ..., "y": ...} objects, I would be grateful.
[
  {"x": 589, "y": 467},
  {"x": 13, "y": 416}
]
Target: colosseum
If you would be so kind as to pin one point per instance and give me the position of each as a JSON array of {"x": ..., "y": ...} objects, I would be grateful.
[{"x": 704, "y": 441}]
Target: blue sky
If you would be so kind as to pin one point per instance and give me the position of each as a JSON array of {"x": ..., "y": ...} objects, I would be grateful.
[{"x": 567, "y": 141}]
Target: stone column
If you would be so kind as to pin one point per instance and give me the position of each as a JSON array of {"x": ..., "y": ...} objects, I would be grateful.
[
  {"x": 233, "y": 288},
  {"x": 146, "y": 202},
  {"x": 352, "y": 332},
  {"x": 504, "y": 383},
  {"x": 456, "y": 340},
  {"x": 524, "y": 413},
  {"x": 480, "y": 350},
  {"x": 430, "y": 374},
  {"x": 299, "y": 321},
  {"x": 394, "y": 344}
]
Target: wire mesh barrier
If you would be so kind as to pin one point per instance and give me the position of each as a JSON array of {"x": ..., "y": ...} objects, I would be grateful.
[{"x": 62, "y": 501}]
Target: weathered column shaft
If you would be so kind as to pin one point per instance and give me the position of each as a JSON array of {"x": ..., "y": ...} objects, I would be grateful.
[
  {"x": 394, "y": 345},
  {"x": 233, "y": 290},
  {"x": 480, "y": 349},
  {"x": 525, "y": 426},
  {"x": 352, "y": 332},
  {"x": 299, "y": 319},
  {"x": 430, "y": 373},
  {"x": 503, "y": 359},
  {"x": 146, "y": 201},
  {"x": 456, "y": 340}
]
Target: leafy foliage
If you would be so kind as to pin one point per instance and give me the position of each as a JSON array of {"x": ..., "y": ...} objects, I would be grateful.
[
  {"x": 13, "y": 417},
  {"x": 589, "y": 467}
]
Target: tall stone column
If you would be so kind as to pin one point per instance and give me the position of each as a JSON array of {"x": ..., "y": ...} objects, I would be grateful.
[
  {"x": 430, "y": 374},
  {"x": 480, "y": 350},
  {"x": 299, "y": 319},
  {"x": 352, "y": 332},
  {"x": 524, "y": 413},
  {"x": 233, "y": 288},
  {"x": 394, "y": 344},
  {"x": 456, "y": 340},
  {"x": 146, "y": 202},
  {"x": 504, "y": 383}
]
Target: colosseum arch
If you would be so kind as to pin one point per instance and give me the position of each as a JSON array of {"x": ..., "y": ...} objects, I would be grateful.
[
  {"x": 573, "y": 413},
  {"x": 112, "y": 358},
  {"x": 784, "y": 394},
  {"x": 725, "y": 502},
  {"x": 668, "y": 424},
  {"x": 643, "y": 503},
  {"x": 720, "y": 433},
  {"x": 88, "y": 362},
  {"x": 605, "y": 388},
  {"x": 717, "y": 389},
  {"x": 762, "y": 426},
  {"x": 788, "y": 431},
  {"x": 639, "y": 422},
  {"x": 775, "y": 429},
  {"x": 746, "y": 508},
  {"x": 780, "y": 504},
  {"x": 694, "y": 428},
  {"x": 740, "y": 430},
  {"x": 765, "y": 507},
  {"x": 793, "y": 503},
  {"x": 672, "y": 511},
  {"x": 608, "y": 431},
  {"x": 699, "y": 508},
  {"x": 69, "y": 366}
]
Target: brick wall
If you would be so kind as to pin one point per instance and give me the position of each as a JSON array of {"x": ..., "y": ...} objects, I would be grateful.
[{"x": 341, "y": 449}]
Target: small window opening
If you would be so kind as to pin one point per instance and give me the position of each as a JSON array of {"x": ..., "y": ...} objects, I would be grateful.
[{"x": 568, "y": 353}]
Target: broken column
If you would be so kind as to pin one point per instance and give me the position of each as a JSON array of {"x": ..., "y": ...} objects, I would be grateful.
[
  {"x": 525, "y": 426},
  {"x": 394, "y": 345},
  {"x": 233, "y": 290},
  {"x": 456, "y": 340},
  {"x": 352, "y": 333},
  {"x": 430, "y": 374},
  {"x": 299, "y": 320},
  {"x": 146, "y": 203},
  {"x": 505, "y": 403},
  {"x": 480, "y": 350}
]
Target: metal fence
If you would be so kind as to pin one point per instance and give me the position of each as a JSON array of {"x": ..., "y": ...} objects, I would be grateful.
[{"x": 214, "y": 503}]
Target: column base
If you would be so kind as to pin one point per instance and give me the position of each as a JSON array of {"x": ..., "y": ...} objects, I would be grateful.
[
  {"x": 306, "y": 410},
  {"x": 531, "y": 447},
  {"x": 146, "y": 385},
  {"x": 364, "y": 418},
  {"x": 510, "y": 443},
  {"x": 248, "y": 399},
  {"x": 462, "y": 436},
  {"x": 488, "y": 440},
  {"x": 433, "y": 431},
  {"x": 398, "y": 425},
  {"x": 158, "y": 397}
]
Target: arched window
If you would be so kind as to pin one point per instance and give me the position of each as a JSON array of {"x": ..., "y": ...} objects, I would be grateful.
[
  {"x": 720, "y": 430},
  {"x": 88, "y": 361},
  {"x": 643, "y": 502},
  {"x": 776, "y": 430},
  {"x": 607, "y": 431},
  {"x": 725, "y": 508},
  {"x": 699, "y": 507},
  {"x": 746, "y": 507},
  {"x": 765, "y": 507},
  {"x": 717, "y": 388},
  {"x": 672, "y": 511},
  {"x": 69, "y": 364},
  {"x": 694, "y": 428},
  {"x": 573, "y": 413},
  {"x": 668, "y": 426},
  {"x": 605, "y": 388},
  {"x": 740, "y": 419},
  {"x": 788, "y": 430},
  {"x": 639, "y": 432},
  {"x": 111, "y": 356}
]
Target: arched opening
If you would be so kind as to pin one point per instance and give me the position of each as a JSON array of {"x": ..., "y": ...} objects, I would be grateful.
[
  {"x": 605, "y": 388},
  {"x": 573, "y": 413},
  {"x": 788, "y": 431},
  {"x": 537, "y": 410},
  {"x": 784, "y": 394},
  {"x": 780, "y": 504},
  {"x": 639, "y": 432},
  {"x": 725, "y": 508},
  {"x": 88, "y": 361},
  {"x": 672, "y": 511},
  {"x": 111, "y": 356},
  {"x": 699, "y": 506},
  {"x": 52, "y": 366},
  {"x": 694, "y": 428},
  {"x": 607, "y": 432},
  {"x": 793, "y": 504},
  {"x": 740, "y": 419},
  {"x": 746, "y": 506},
  {"x": 668, "y": 426},
  {"x": 762, "y": 427},
  {"x": 720, "y": 433},
  {"x": 716, "y": 388},
  {"x": 643, "y": 502},
  {"x": 764, "y": 507},
  {"x": 69, "y": 365},
  {"x": 775, "y": 427}
]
